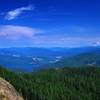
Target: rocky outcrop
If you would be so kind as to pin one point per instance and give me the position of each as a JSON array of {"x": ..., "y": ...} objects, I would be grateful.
[{"x": 8, "y": 92}]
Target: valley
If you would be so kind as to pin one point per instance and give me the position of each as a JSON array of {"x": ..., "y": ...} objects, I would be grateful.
[{"x": 33, "y": 59}]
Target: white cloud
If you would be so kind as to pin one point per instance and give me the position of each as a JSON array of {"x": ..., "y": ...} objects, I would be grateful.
[
  {"x": 13, "y": 33},
  {"x": 15, "y": 13},
  {"x": 97, "y": 43}
]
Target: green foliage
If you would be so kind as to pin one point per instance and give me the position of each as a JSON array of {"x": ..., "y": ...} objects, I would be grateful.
[{"x": 56, "y": 84}]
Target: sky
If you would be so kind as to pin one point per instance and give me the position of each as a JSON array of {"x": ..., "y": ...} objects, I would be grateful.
[{"x": 49, "y": 23}]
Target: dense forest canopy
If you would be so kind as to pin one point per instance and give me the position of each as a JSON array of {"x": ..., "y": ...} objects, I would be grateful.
[{"x": 56, "y": 84}]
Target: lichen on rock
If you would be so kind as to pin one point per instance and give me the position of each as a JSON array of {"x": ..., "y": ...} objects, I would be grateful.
[{"x": 8, "y": 92}]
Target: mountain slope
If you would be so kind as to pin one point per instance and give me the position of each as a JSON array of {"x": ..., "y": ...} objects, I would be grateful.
[
  {"x": 56, "y": 84},
  {"x": 85, "y": 59}
]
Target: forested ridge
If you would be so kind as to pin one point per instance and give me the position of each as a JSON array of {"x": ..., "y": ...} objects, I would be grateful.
[{"x": 56, "y": 84}]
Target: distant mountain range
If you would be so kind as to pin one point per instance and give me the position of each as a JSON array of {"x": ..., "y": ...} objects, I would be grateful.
[
  {"x": 86, "y": 59},
  {"x": 30, "y": 59}
]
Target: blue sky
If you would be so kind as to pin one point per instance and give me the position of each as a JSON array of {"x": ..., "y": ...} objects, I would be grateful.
[{"x": 49, "y": 23}]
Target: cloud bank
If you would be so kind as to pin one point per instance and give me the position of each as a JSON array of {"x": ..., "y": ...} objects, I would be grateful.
[
  {"x": 16, "y": 33},
  {"x": 11, "y": 35},
  {"x": 10, "y": 15}
]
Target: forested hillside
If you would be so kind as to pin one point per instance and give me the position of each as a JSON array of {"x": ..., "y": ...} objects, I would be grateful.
[
  {"x": 56, "y": 84},
  {"x": 82, "y": 60}
]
